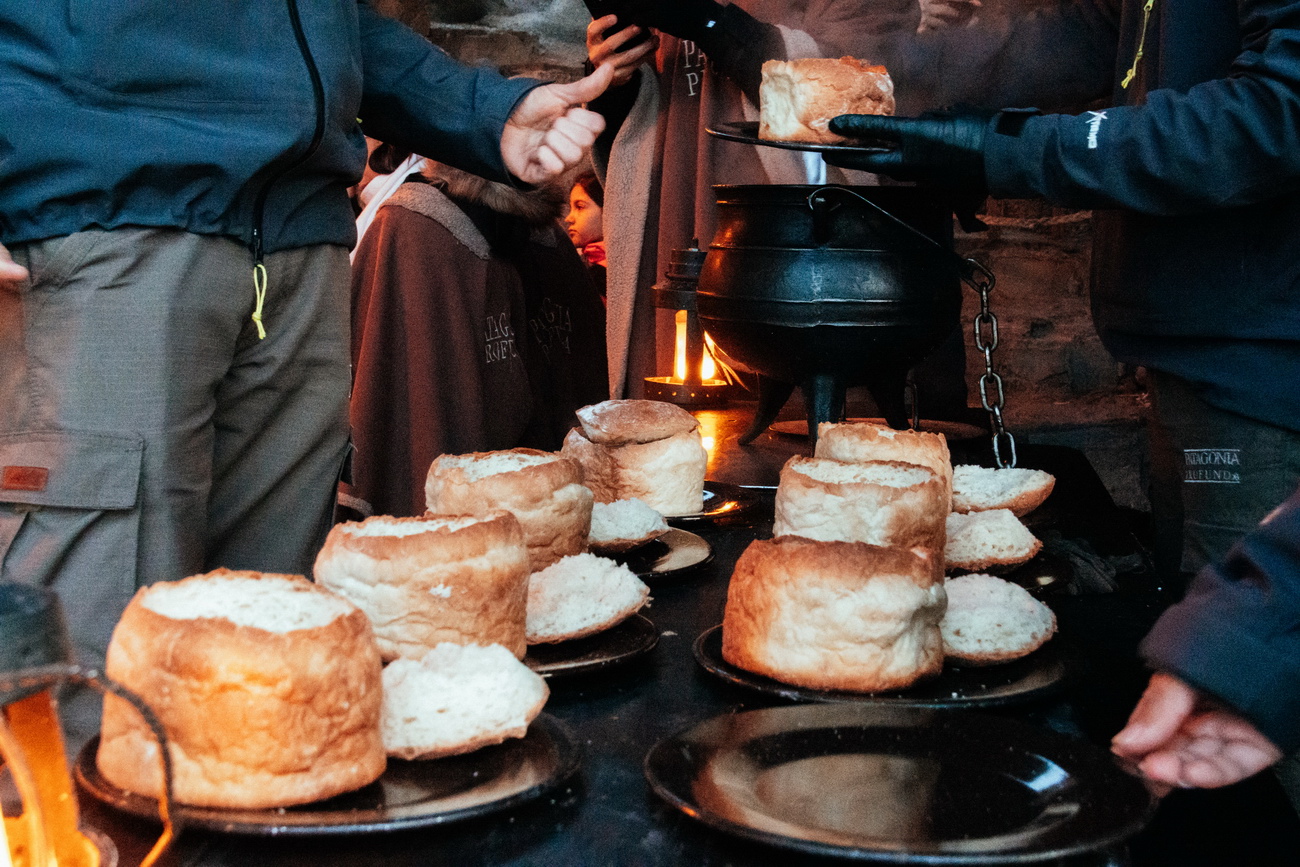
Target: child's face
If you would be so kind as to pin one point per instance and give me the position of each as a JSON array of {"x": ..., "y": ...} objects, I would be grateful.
[{"x": 584, "y": 218}]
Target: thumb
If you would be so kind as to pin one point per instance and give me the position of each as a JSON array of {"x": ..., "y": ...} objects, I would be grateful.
[
  {"x": 1161, "y": 711},
  {"x": 585, "y": 89},
  {"x": 866, "y": 125}
]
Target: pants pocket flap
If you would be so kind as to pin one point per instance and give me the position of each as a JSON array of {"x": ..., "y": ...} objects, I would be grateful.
[{"x": 70, "y": 469}]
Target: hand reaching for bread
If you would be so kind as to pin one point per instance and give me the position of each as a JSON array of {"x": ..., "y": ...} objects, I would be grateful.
[{"x": 1179, "y": 737}]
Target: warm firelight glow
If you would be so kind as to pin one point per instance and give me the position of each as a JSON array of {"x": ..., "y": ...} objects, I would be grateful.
[
  {"x": 708, "y": 431},
  {"x": 708, "y": 369}
]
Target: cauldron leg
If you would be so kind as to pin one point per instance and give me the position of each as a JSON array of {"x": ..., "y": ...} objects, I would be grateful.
[
  {"x": 888, "y": 387},
  {"x": 772, "y": 395},
  {"x": 823, "y": 395}
]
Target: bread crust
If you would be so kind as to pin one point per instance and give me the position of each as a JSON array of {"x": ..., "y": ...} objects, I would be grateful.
[
  {"x": 989, "y": 560},
  {"x": 618, "y": 422},
  {"x": 860, "y": 511},
  {"x": 465, "y": 586},
  {"x": 834, "y": 615},
  {"x": 864, "y": 442},
  {"x": 666, "y": 474},
  {"x": 549, "y": 499},
  {"x": 1019, "y": 505},
  {"x": 798, "y": 98},
  {"x": 255, "y": 718}
]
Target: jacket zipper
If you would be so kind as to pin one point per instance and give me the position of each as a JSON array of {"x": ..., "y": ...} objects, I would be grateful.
[{"x": 259, "y": 204}]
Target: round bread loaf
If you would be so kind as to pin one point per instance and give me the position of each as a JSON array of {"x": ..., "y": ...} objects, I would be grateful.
[
  {"x": 798, "y": 98},
  {"x": 666, "y": 474},
  {"x": 883, "y": 503},
  {"x": 1017, "y": 489},
  {"x": 619, "y": 422},
  {"x": 990, "y": 620},
  {"x": 268, "y": 686},
  {"x": 865, "y": 442},
  {"x": 542, "y": 489},
  {"x": 423, "y": 581},
  {"x": 834, "y": 615},
  {"x": 982, "y": 540},
  {"x": 580, "y": 596},
  {"x": 456, "y": 699}
]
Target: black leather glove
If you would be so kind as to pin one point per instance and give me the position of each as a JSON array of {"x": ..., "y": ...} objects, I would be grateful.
[{"x": 942, "y": 149}]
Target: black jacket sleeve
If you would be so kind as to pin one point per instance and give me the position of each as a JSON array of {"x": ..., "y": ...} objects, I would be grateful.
[
  {"x": 1223, "y": 143},
  {"x": 417, "y": 97},
  {"x": 1236, "y": 635}
]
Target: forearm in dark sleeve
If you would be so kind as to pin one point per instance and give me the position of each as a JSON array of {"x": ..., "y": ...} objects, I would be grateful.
[
  {"x": 1237, "y": 633},
  {"x": 417, "y": 97}
]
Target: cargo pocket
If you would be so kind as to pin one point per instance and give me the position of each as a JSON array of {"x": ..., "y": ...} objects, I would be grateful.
[{"x": 68, "y": 521}]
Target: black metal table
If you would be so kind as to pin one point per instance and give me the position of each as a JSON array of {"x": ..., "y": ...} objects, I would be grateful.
[{"x": 607, "y": 815}]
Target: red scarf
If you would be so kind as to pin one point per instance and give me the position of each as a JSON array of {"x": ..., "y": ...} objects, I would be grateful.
[{"x": 594, "y": 253}]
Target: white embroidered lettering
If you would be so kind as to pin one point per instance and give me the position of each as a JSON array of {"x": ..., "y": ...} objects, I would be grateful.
[{"x": 1094, "y": 123}]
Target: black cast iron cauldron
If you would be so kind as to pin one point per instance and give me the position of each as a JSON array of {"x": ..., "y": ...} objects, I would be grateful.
[{"x": 813, "y": 286}]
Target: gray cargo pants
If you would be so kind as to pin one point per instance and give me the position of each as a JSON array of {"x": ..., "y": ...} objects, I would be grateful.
[{"x": 146, "y": 433}]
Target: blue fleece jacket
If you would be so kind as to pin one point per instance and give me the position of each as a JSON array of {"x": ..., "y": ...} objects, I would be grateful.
[{"x": 234, "y": 118}]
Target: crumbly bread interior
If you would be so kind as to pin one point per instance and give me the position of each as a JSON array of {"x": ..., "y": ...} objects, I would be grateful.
[
  {"x": 1019, "y": 489},
  {"x": 581, "y": 595},
  {"x": 386, "y": 525},
  {"x": 247, "y": 600},
  {"x": 895, "y": 475},
  {"x": 456, "y": 699},
  {"x": 625, "y": 521},
  {"x": 978, "y": 540},
  {"x": 481, "y": 465},
  {"x": 991, "y": 620}
]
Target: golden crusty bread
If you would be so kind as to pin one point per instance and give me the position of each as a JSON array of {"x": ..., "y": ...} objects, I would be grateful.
[
  {"x": 863, "y": 442},
  {"x": 834, "y": 615},
  {"x": 978, "y": 489},
  {"x": 666, "y": 474},
  {"x": 798, "y": 98},
  {"x": 440, "y": 578},
  {"x": 978, "y": 541},
  {"x": 543, "y": 490},
  {"x": 990, "y": 620},
  {"x": 882, "y": 503},
  {"x": 268, "y": 687},
  {"x": 618, "y": 422}
]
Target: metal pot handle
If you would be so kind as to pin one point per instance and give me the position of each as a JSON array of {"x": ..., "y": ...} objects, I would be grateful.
[{"x": 975, "y": 275}]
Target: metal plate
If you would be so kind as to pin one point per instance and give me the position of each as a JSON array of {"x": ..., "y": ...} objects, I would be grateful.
[
  {"x": 721, "y": 501},
  {"x": 901, "y": 785},
  {"x": 1040, "y": 674},
  {"x": 746, "y": 132},
  {"x": 408, "y": 794},
  {"x": 670, "y": 556},
  {"x": 629, "y": 640}
]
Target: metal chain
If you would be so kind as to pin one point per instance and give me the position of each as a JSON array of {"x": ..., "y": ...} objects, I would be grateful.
[{"x": 982, "y": 281}]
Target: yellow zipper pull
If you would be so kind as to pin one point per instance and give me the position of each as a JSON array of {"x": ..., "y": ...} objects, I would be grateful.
[
  {"x": 1142, "y": 41},
  {"x": 259, "y": 290}
]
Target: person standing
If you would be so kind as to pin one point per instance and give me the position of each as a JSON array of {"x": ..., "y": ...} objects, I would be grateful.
[{"x": 174, "y": 352}]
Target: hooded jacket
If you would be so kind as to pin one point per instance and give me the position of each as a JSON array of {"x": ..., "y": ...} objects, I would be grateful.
[
  {"x": 235, "y": 119},
  {"x": 1194, "y": 168}
]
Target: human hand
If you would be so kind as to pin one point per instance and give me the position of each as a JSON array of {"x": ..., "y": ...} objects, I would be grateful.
[
  {"x": 938, "y": 14},
  {"x": 549, "y": 132},
  {"x": 938, "y": 148},
  {"x": 1178, "y": 736},
  {"x": 614, "y": 49},
  {"x": 11, "y": 273}
]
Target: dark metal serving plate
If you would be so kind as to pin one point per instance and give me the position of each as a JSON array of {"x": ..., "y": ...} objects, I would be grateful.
[
  {"x": 629, "y": 640},
  {"x": 721, "y": 502},
  {"x": 408, "y": 794},
  {"x": 746, "y": 132},
  {"x": 898, "y": 784},
  {"x": 671, "y": 555},
  {"x": 1041, "y": 673}
]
